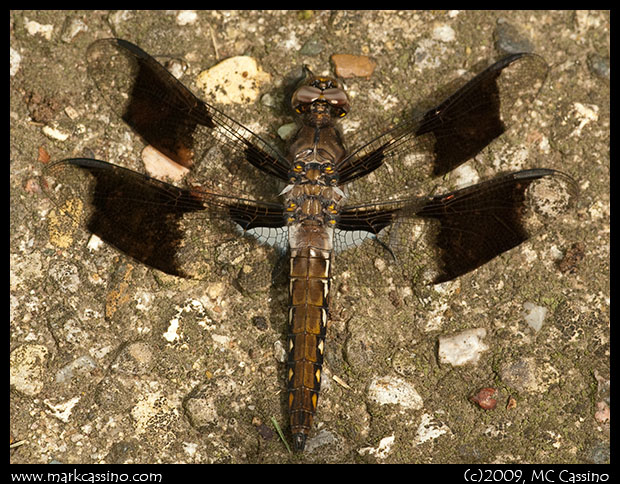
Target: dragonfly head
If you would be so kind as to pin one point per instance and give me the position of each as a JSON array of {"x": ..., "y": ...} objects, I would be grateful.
[{"x": 320, "y": 100}]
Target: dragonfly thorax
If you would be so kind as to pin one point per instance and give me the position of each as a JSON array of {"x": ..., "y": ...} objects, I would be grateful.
[{"x": 313, "y": 203}]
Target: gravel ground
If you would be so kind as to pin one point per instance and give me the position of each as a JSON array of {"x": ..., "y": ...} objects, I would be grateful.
[{"x": 114, "y": 362}]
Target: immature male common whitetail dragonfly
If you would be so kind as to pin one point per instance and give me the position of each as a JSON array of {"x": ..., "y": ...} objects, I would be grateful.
[{"x": 319, "y": 208}]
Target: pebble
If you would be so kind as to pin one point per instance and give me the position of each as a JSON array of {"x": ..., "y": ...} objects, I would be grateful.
[
  {"x": 462, "y": 348},
  {"x": 236, "y": 80},
  {"x": 28, "y": 367},
  {"x": 160, "y": 166},
  {"x": 484, "y": 398},
  {"x": 527, "y": 375},
  {"x": 347, "y": 65},
  {"x": 81, "y": 365},
  {"x": 534, "y": 315},
  {"x": 391, "y": 390}
]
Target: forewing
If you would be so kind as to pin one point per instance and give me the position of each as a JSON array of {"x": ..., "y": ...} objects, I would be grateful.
[
  {"x": 166, "y": 114},
  {"x": 444, "y": 137}
]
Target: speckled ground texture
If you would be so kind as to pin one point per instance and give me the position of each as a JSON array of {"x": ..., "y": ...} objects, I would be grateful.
[{"x": 98, "y": 380}]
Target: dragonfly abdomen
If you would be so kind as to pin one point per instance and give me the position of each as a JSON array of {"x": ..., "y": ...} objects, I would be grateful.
[{"x": 308, "y": 312}]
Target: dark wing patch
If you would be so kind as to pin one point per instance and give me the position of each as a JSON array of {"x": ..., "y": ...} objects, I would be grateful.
[
  {"x": 442, "y": 237},
  {"x": 166, "y": 114},
  {"x": 149, "y": 220},
  {"x": 459, "y": 127},
  {"x": 478, "y": 223}
]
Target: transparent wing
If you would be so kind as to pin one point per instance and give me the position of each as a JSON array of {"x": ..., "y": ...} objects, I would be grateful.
[
  {"x": 437, "y": 141},
  {"x": 437, "y": 239},
  {"x": 167, "y": 115},
  {"x": 189, "y": 232}
]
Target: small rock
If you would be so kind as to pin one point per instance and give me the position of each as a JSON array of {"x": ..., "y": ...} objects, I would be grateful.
[
  {"x": 599, "y": 66},
  {"x": 186, "y": 17},
  {"x": 15, "y": 60},
  {"x": 81, "y": 365},
  {"x": 44, "y": 157},
  {"x": 599, "y": 454},
  {"x": 55, "y": 133},
  {"x": 389, "y": 390},
  {"x": 235, "y": 80},
  {"x": 347, "y": 65},
  {"x": 322, "y": 438},
  {"x": 534, "y": 315},
  {"x": 260, "y": 322},
  {"x": 382, "y": 450},
  {"x": 201, "y": 411},
  {"x": 62, "y": 411},
  {"x": 286, "y": 131},
  {"x": 484, "y": 398},
  {"x": 508, "y": 39},
  {"x": 526, "y": 375},
  {"x": 444, "y": 33},
  {"x": 573, "y": 256},
  {"x": 136, "y": 358},
  {"x": 312, "y": 47},
  {"x": 161, "y": 167},
  {"x": 265, "y": 431},
  {"x": 429, "y": 429},
  {"x": 28, "y": 368},
  {"x": 602, "y": 414},
  {"x": 512, "y": 403},
  {"x": 462, "y": 348},
  {"x": 154, "y": 412},
  {"x": 72, "y": 28}
]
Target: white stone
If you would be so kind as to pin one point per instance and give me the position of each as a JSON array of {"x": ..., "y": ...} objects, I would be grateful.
[
  {"x": 390, "y": 390},
  {"x": 429, "y": 430},
  {"x": 382, "y": 450},
  {"x": 28, "y": 367},
  {"x": 160, "y": 166},
  {"x": 534, "y": 315},
  {"x": 234, "y": 80},
  {"x": 462, "y": 348}
]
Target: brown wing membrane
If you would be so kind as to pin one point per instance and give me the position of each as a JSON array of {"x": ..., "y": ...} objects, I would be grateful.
[
  {"x": 478, "y": 223},
  {"x": 146, "y": 218},
  {"x": 465, "y": 228},
  {"x": 165, "y": 113},
  {"x": 485, "y": 100},
  {"x": 250, "y": 215},
  {"x": 462, "y": 125},
  {"x": 368, "y": 219}
]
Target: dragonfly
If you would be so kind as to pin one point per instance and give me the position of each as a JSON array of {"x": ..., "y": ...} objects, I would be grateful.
[{"x": 313, "y": 201}]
